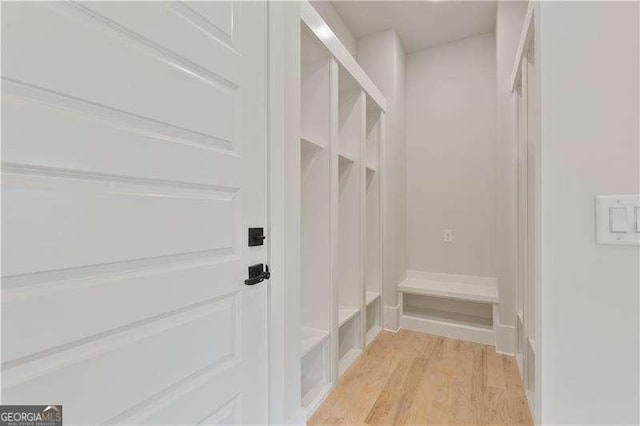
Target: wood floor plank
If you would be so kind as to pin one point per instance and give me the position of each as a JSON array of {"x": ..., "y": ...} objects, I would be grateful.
[
  {"x": 495, "y": 369},
  {"x": 360, "y": 385},
  {"x": 415, "y": 378},
  {"x": 384, "y": 406}
]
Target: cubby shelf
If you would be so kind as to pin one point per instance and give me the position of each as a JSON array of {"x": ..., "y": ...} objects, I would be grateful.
[
  {"x": 371, "y": 296},
  {"x": 315, "y": 375},
  {"x": 345, "y": 313},
  {"x": 450, "y": 290},
  {"x": 311, "y": 141},
  {"x": 308, "y": 155},
  {"x": 532, "y": 344},
  {"x": 310, "y": 338},
  {"x": 345, "y": 158}
]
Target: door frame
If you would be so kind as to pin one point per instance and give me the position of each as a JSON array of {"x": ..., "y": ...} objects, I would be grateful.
[
  {"x": 529, "y": 186},
  {"x": 283, "y": 288}
]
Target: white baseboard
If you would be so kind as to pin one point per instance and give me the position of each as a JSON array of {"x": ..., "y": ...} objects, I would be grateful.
[
  {"x": 298, "y": 418},
  {"x": 519, "y": 362},
  {"x": 316, "y": 402},
  {"x": 391, "y": 316},
  {"x": 505, "y": 339},
  {"x": 505, "y": 334}
]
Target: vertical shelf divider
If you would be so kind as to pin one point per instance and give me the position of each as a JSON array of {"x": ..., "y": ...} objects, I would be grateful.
[
  {"x": 362, "y": 213},
  {"x": 372, "y": 223}
]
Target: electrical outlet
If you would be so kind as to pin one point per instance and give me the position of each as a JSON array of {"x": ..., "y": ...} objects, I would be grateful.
[{"x": 448, "y": 235}]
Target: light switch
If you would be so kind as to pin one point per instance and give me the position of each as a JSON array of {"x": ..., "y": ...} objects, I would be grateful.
[{"x": 618, "y": 220}]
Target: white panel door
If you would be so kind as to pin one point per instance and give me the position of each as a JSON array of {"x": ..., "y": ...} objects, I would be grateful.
[{"x": 133, "y": 162}]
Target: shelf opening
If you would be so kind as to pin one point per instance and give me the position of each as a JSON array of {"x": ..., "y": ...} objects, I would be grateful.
[
  {"x": 315, "y": 89},
  {"x": 349, "y": 347},
  {"x": 350, "y": 111},
  {"x": 314, "y": 375},
  {"x": 373, "y": 318},
  {"x": 456, "y": 312}
]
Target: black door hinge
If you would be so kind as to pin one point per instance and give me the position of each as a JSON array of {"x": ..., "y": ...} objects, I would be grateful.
[{"x": 258, "y": 273}]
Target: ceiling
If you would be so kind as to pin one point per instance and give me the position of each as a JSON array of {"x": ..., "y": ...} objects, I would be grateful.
[{"x": 419, "y": 24}]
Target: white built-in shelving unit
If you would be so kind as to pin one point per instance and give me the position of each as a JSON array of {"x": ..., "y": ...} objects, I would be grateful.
[{"x": 341, "y": 140}]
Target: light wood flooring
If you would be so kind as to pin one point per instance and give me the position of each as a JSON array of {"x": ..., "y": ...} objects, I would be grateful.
[{"x": 415, "y": 378}]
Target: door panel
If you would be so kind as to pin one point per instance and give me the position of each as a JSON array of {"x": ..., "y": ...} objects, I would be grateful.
[
  {"x": 133, "y": 163},
  {"x": 75, "y": 134},
  {"x": 101, "y": 216},
  {"x": 94, "y": 59},
  {"x": 132, "y": 365}
]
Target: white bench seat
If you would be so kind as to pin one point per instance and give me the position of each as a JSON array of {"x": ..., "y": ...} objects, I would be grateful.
[
  {"x": 463, "y": 321},
  {"x": 450, "y": 290}
]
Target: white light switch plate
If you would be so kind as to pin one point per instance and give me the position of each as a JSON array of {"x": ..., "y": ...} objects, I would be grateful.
[{"x": 615, "y": 229}]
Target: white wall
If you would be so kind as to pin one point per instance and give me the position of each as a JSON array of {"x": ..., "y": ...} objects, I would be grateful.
[
  {"x": 510, "y": 16},
  {"x": 589, "y": 54},
  {"x": 335, "y": 22},
  {"x": 382, "y": 58},
  {"x": 451, "y": 145}
]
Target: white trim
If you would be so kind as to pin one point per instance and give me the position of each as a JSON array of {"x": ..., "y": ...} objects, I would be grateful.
[
  {"x": 466, "y": 279},
  {"x": 537, "y": 400},
  {"x": 362, "y": 177},
  {"x": 385, "y": 315},
  {"x": 519, "y": 363},
  {"x": 505, "y": 339},
  {"x": 318, "y": 26},
  {"x": 525, "y": 38},
  {"x": 391, "y": 319},
  {"x": 317, "y": 398},
  {"x": 333, "y": 201},
  {"x": 275, "y": 230},
  {"x": 372, "y": 334},
  {"x": 347, "y": 360},
  {"x": 531, "y": 402},
  {"x": 505, "y": 334},
  {"x": 299, "y": 417},
  {"x": 283, "y": 290}
]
